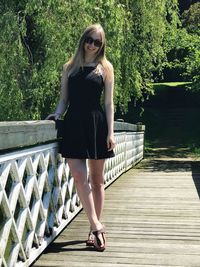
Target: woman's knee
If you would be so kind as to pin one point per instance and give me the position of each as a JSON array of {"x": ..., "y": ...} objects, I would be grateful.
[
  {"x": 97, "y": 181},
  {"x": 78, "y": 170},
  {"x": 77, "y": 173}
]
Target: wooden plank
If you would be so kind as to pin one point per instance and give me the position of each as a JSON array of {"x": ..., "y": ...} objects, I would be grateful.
[{"x": 151, "y": 218}]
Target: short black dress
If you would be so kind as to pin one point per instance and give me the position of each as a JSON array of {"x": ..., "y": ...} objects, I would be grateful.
[{"x": 85, "y": 127}]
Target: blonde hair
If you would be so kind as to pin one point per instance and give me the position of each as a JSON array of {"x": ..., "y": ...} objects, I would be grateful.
[{"x": 78, "y": 60}]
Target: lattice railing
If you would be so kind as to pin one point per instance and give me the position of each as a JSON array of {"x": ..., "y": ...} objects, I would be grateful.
[{"x": 38, "y": 196}]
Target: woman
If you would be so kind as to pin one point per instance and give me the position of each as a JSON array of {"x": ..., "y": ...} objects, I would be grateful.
[{"x": 88, "y": 130}]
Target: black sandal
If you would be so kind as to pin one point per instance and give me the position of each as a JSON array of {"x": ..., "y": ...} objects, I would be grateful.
[
  {"x": 90, "y": 240},
  {"x": 98, "y": 245}
]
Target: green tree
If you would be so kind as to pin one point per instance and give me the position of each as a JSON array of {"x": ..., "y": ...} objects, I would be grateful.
[
  {"x": 183, "y": 48},
  {"x": 191, "y": 21},
  {"x": 37, "y": 37},
  {"x": 13, "y": 64}
]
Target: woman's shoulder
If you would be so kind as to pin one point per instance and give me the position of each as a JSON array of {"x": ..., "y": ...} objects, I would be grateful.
[
  {"x": 109, "y": 65},
  {"x": 106, "y": 67},
  {"x": 108, "y": 70},
  {"x": 66, "y": 66}
]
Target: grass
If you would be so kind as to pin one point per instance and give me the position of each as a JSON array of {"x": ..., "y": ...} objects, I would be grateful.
[
  {"x": 171, "y": 117},
  {"x": 172, "y": 127},
  {"x": 172, "y": 84},
  {"x": 172, "y": 120},
  {"x": 196, "y": 152}
]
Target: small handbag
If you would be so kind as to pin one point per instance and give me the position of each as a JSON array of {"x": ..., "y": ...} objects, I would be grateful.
[{"x": 59, "y": 124}]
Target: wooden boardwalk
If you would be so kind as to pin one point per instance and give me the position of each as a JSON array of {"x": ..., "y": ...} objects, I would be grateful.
[{"x": 152, "y": 217}]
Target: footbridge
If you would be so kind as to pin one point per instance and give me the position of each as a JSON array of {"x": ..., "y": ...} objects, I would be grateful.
[
  {"x": 152, "y": 207},
  {"x": 38, "y": 199}
]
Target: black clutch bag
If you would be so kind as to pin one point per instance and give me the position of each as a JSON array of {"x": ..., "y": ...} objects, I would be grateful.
[{"x": 59, "y": 124}]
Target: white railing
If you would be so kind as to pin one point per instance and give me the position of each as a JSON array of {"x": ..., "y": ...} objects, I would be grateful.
[{"x": 38, "y": 196}]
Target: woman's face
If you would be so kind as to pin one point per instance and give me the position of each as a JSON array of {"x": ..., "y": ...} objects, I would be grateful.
[{"x": 93, "y": 43}]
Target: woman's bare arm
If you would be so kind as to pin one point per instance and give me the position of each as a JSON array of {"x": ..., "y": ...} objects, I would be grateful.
[{"x": 109, "y": 105}]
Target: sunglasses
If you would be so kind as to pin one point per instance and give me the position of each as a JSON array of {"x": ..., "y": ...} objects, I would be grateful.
[{"x": 90, "y": 40}]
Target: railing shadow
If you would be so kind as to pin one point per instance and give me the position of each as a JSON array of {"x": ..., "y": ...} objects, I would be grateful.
[
  {"x": 57, "y": 247},
  {"x": 67, "y": 246},
  {"x": 195, "y": 167}
]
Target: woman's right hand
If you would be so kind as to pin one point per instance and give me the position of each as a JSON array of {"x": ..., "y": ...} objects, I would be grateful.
[{"x": 53, "y": 116}]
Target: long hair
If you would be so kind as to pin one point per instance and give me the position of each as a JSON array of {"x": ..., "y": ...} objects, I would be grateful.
[{"x": 78, "y": 60}]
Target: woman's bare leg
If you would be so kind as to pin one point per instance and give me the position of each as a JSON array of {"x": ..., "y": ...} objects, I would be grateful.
[
  {"x": 79, "y": 172},
  {"x": 96, "y": 174}
]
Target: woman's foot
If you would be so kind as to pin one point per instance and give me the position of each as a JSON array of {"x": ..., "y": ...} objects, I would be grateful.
[
  {"x": 100, "y": 239},
  {"x": 90, "y": 240}
]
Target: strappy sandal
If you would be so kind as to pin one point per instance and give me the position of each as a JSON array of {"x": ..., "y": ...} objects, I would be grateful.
[
  {"x": 98, "y": 245},
  {"x": 90, "y": 240}
]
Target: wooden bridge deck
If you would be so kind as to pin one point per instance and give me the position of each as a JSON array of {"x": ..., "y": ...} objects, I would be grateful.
[{"x": 152, "y": 217}]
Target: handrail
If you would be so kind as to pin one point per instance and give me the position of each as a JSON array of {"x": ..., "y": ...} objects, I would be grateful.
[{"x": 37, "y": 194}]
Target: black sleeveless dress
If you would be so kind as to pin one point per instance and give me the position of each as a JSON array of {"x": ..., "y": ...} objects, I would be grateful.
[{"x": 85, "y": 126}]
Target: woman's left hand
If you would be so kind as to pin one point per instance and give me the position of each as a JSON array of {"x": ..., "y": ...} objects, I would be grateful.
[{"x": 110, "y": 142}]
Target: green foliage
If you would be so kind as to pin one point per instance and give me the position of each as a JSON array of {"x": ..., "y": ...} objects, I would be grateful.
[
  {"x": 191, "y": 19},
  {"x": 192, "y": 63},
  {"x": 13, "y": 65},
  {"x": 38, "y": 37},
  {"x": 182, "y": 49}
]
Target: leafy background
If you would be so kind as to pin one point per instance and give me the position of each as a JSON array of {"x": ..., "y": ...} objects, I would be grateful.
[{"x": 147, "y": 41}]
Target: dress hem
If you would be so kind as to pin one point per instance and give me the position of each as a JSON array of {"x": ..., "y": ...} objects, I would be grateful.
[{"x": 81, "y": 157}]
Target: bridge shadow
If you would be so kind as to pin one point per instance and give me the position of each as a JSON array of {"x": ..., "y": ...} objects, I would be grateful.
[
  {"x": 165, "y": 165},
  {"x": 168, "y": 152},
  {"x": 172, "y": 159},
  {"x": 181, "y": 165}
]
